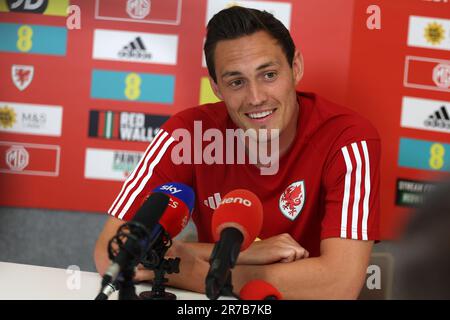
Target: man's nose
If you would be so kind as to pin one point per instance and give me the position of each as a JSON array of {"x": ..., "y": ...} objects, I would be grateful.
[{"x": 256, "y": 95}]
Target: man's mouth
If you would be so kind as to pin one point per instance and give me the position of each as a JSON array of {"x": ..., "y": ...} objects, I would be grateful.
[{"x": 260, "y": 115}]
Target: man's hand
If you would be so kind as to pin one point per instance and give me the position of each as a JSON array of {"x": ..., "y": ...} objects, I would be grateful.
[
  {"x": 193, "y": 267},
  {"x": 279, "y": 248}
]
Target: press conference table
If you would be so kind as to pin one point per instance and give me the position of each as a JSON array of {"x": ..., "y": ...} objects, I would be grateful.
[{"x": 28, "y": 282}]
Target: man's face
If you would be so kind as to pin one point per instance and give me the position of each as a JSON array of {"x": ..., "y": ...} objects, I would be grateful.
[{"x": 257, "y": 84}]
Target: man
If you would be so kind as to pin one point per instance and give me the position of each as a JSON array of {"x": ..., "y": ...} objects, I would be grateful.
[{"x": 320, "y": 206}]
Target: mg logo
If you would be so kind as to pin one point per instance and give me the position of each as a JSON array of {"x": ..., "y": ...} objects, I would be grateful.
[
  {"x": 138, "y": 9},
  {"x": 441, "y": 75},
  {"x": 17, "y": 158}
]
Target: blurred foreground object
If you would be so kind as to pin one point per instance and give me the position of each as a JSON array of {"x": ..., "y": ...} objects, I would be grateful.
[{"x": 423, "y": 258}]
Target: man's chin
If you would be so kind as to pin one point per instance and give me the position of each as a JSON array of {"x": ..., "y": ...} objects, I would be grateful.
[{"x": 264, "y": 134}]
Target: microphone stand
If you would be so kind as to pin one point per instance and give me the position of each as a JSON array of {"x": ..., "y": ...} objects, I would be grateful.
[
  {"x": 223, "y": 259},
  {"x": 155, "y": 261},
  {"x": 127, "y": 289}
]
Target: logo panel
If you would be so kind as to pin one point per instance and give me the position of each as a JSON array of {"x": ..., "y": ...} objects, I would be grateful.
[
  {"x": 131, "y": 86},
  {"x": 144, "y": 11},
  {"x": 46, "y": 7},
  {"x": 28, "y": 38},
  {"x": 135, "y": 47},
  {"x": 411, "y": 193},
  {"x": 425, "y": 114},
  {"x": 424, "y": 155},
  {"x": 428, "y": 32},
  {"x": 127, "y": 126},
  {"x": 427, "y": 73},
  {"x": 30, "y": 159},
  {"x": 103, "y": 164},
  {"x": 30, "y": 119}
]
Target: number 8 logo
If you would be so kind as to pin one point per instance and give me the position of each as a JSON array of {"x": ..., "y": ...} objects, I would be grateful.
[
  {"x": 24, "y": 42},
  {"x": 437, "y": 153},
  {"x": 133, "y": 86}
]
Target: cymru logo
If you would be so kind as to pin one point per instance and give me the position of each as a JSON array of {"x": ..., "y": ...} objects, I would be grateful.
[
  {"x": 292, "y": 200},
  {"x": 22, "y": 76},
  {"x": 7, "y": 117}
]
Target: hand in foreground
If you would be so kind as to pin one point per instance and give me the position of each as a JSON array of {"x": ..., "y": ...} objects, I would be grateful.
[{"x": 279, "y": 248}]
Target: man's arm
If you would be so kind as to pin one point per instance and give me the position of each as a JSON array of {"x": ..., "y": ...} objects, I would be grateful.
[{"x": 338, "y": 273}]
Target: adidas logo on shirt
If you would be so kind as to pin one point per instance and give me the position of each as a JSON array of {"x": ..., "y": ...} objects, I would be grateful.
[
  {"x": 135, "y": 49},
  {"x": 439, "y": 119},
  {"x": 213, "y": 201}
]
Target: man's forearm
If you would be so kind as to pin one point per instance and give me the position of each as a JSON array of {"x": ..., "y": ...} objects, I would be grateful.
[
  {"x": 302, "y": 279},
  {"x": 338, "y": 273}
]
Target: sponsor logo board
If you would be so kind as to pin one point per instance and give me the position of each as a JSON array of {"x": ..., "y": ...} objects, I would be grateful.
[
  {"x": 29, "y": 158},
  {"x": 104, "y": 164}
]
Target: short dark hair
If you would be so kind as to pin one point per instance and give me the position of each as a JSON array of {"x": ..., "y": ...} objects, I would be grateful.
[{"x": 235, "y": 22}]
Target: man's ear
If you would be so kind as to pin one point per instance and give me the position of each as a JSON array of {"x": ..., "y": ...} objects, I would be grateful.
[
  {"x": 215, "y": 88},
  {"x": 297, "y": 66}
]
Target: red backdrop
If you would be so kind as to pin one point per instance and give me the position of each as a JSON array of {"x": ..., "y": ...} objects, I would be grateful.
[{"x": 344, "y": 61}]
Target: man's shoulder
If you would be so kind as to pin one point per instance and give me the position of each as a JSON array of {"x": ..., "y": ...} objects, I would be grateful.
[
  {"x": 335, "y": 119},
  {"x": 211, "y": 114}
]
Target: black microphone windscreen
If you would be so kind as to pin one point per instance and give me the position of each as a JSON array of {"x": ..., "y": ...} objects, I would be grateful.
[{"x": 152, "y": 209}]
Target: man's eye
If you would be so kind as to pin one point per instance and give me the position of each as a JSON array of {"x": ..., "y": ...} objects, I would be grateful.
[
  {"x": 235, "y": 83},
  {"x": 270, "y": 75}
]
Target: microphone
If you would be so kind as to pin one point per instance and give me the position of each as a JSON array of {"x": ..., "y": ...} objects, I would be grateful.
[
  {"x": 176, "y": 215},
  {"x": 107, "y": 290},
  {"x": 137, "y": 238},
  {"x": 175, "y": 219},
  {"x": 259, "y": 290},
  {"x": 235, "y": 224}
]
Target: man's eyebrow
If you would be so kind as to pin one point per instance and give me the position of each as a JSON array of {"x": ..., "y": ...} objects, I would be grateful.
[
  {"x": 230, "y": 74},
  {"x": 268, "y": 64},
  {"x": 261, "y": 67}
]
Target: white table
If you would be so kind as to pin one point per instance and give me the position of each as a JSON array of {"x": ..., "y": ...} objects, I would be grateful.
[{"x": 28, "y": 282}]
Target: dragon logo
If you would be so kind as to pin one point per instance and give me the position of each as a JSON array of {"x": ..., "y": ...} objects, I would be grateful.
[
  {"x": 22, "y": 76},
  {"x": 292, "y": 200}
]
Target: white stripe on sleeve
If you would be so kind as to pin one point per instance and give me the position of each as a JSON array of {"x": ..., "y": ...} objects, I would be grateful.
[
  {"x": 357, "y": 196},
  {"x": 147, "y": 177},
  {"x": 345, "y": 200},
  {"x": 133, "y": 174},
  {"x": 366, "y": 191},
  {"x": 141, "y": 172}
]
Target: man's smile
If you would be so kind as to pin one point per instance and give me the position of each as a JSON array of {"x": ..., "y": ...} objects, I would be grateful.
[{"x": 260, "y": 116}]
